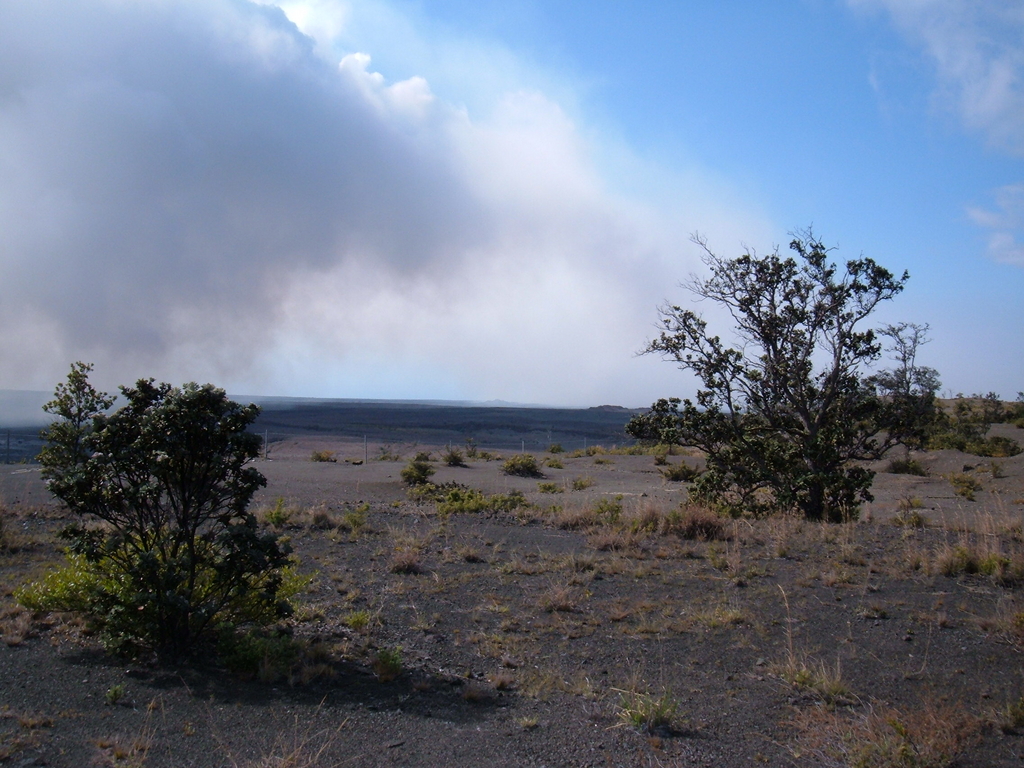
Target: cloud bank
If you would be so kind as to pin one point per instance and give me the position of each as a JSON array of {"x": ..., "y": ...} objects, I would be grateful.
[{"x": 196, "y": 189}]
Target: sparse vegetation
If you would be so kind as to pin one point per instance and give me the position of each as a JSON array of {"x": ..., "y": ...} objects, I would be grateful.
[
  {"x": 324, "y": 456},
  {"x": 569, "y": 616}
]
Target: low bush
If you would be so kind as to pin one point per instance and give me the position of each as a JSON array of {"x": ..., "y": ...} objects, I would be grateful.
[
  {"x": 582, "y": 483},
  {"x": 324, "y": 456},
  {"x": 906, "y": 466},
  {"x": 963, "y": 485},
  {"x": 680, "y": 473},
  {"x": 418, "y": 471},
  {"x": 453, "y": 458},
  {"x": 522, "y": 465},
  {"x": 387, "y": 664},
  {"x": 549, "y": 488}
]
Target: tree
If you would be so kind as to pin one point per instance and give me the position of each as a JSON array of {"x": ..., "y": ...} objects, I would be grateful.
[
  {"x": 168, "y": 476},
  {"x": 782, "y": 417},
  {"x": 908, "y": 389}
]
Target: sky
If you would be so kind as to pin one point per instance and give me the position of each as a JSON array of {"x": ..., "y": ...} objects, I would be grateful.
[{"x": 445, "y": 199}]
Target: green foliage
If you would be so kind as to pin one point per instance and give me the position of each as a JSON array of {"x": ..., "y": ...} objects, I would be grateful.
[
  {"x": 387, "y": 664},
  {"x": 780, "y": 429},
  {"x": 645, "y": 712},
  {"x": 114, "y": 694},
  {"x": 279, "y": 514},
  {"x": 168, "y": 476},
  {"x": 965, "y": 429},
  {"x": 453, "y": 458},
  {"x": 554, "y": 463},
  {"x": 522, "y": 465},
  {"x": 324, "y": 456},
  {"x": 963, "y": 484},
  {"x": 608, "y": 511},
  {"x": 455, "y": 498},
  {"x": 508, "y": 502},
  {"x": 550, "y": 488},
  {"x": 252, "y": 654},
  {"x": 355, "y": 519},
  {"x": 582, "y": 482},
  {"x": 556, "y": 448},
  {"x": 418, "y": 471}
]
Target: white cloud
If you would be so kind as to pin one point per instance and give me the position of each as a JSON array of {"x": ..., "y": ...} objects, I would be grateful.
[
  {"x": 1005, "y": 224},
  {"x": 977, "y": 48},
  {"x": 195, "y": 189}
]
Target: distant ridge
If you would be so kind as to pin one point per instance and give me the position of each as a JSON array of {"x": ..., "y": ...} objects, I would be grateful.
[{"x": 24, "y": 407}]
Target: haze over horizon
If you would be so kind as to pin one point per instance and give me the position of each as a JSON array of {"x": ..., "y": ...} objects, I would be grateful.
[{"x": 448, "y": 200}]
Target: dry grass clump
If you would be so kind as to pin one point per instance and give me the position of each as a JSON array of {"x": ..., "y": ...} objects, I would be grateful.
[
  {"x": 883, "y": 737},
  {"x": 646, "y": 712},
  {"x": 15, "y": 625},
  {"x": 299, "y": 748},
  {"x": 406, "y": 561},
  {"x": 696, "y": 523},
  {"x": 558, "y": 598}
]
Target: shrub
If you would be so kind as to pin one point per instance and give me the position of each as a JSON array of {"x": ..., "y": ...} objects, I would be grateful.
[
  {"x": 549, "y": 488},
  {"x": 522, "y": 465},
  {"x": 278, "y": 515},
  {"x": 556, "y": 448},
  {"x": 324, "y": 456},
  {"x": 508, "y": 502},
  {"x": 453, "y": 458},
  {"x": 608, "y": 511},
  {"x": 582, "y": 483},
  {"x": 418, "y": 471},
  {"x": 453, "y": 498},
  {"x": 387, "y": 453},
  {"x": 387, "y": 664},
  {"x": 963, "y": 484},
  {"x": 168, "y": 475},
  {"x": 554, "y": 463},
  {"x": 906, "y": 466},
  {"x": 680, "y": 473}
]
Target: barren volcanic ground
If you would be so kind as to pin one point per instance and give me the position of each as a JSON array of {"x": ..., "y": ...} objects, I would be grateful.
[{"x": 533, "y": 636}]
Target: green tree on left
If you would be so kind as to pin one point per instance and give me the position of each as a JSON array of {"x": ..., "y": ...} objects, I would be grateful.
[{"x": 167, "y": 477}]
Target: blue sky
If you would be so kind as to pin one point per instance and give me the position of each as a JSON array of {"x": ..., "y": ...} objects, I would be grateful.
[{"x": 482, "y": 201}]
